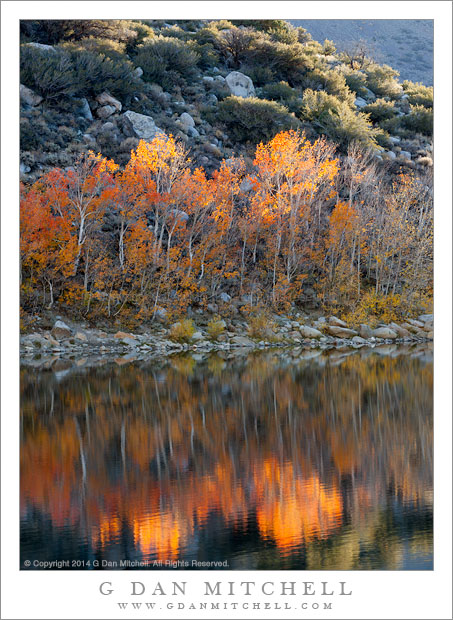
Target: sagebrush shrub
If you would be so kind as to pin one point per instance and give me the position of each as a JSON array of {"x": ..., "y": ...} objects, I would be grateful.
[
  {"x": 68, "y": 70},
  {"x": 253, "y": 120},
  {"x": 419, "y": 119},
  {"x": 165, "y": 60},
  {"x": 380, "y": 110},
  {"x": 381, "y": 79},
  {"x": 419, "y": 94},
  {"x": 338, "y": 120}
]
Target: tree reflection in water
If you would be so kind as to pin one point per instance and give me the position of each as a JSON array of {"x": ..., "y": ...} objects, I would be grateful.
[{"x": 261, "y": 460}]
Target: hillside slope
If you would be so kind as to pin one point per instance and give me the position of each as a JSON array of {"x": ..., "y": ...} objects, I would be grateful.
[{"x": 404, "y": 44}]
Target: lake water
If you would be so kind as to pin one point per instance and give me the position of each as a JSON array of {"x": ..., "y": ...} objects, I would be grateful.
[{"x": 272, "y": 460}]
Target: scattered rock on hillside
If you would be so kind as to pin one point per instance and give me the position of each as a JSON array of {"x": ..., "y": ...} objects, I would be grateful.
[
  {"x": 29, "y": 97},
  {"x": 143, "y": 126},
  {"x": 242, "y": 341},
  {"x": 360, "y": 103},
  {"x": 240, "y": 85},
  {"x": 105, "y": 111},
  {"x": 186, "y": 121},
  {"x": 84, "y": 109},
  {"x": 336, "y": 322},
  {"x": 384, "y": 332},
  {"x": 106, "y": 98},
  {"x": 365, "y": 331},
  {"x": 342, "y": 332},
  {"x": 60, "y": 330},
  {"x": 42, "y": 46},
  {"x": 310, "y": 332}
]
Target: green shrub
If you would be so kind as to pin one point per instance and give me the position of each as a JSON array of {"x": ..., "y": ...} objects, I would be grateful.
[
  {"x": 69, "y": 71},
  {"x": 380, "y": 110},
  {"x": 419, "y": 94},
  {"x": 254, "y": 120},
  {"x": 166, "y": 61},
  {"x": 419, "y": 119},
  {"x": 333, "y": 82},
  {"x": 355, "y": 80},
  {"x": 49, "y": 73},
  {"x": 115, "y": 50},
  {"x": 94, "y": 73},
  {"x": 52, "y": 31},
  {"x": 283, "y": 93},
  {"x": 328, "y": 48},
  {"x": 288, "y": 62},
  {"x": 142, "y": 33},
  {"x": 277, "y": 29},
  {"x": 259, "y": 74},
  {"x": 182, "y": 331},
  {"x": 381, "y": 79},
  {"x": 338, "y": 120},
  {"x": 208, "y": 57}
]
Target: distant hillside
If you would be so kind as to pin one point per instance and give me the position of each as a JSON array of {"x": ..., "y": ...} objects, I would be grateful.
[{"x": 404, "y": 44}]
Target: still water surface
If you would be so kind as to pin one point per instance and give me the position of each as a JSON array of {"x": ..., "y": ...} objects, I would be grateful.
[{"x": 266, "y": 461}]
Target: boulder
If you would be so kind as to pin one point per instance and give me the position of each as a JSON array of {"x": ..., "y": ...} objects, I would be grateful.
[
  {"x": 360, "y": 103},
  {"x": 29, "y": 97},
  {"x": 359, "y": 340},
  {"x": 246, "y": 185},
  {"x": 193, "y": 133},
  {"x": 60, "y": 330},
  {"x": 138, "y": 71},
  {"x": 242, "y": 341},
  {"x": 84, "y": 109},
  {"x": 368, "y": 93},
  {"x": 384, "y": 332},
  {"x": 390, "y": 155},
  {"x": 197, "y": 336},
  {"x": 430, "y": 335},
  {"x": 405, "y": 154},
  {"x": 43, "y": 47},
  {"x": 106, "y": 98},
  {"x": 105, "y": 111},
  {"x": 411, "y": 328},
  {"x": 130, "y": 341},
  {"x": 122, "y": 335},
  {"x": 143, "y": 126},
  {"x": 211, "y": 99},
  {"x": 240, "y": 85},
  {"x": 414, "y": 323},
  {"x": 212, "y": 308},
  {"x": 365, "y": 331},
  {"x": 186, "y": 120},
  {"x": 401, "y": 331},
  {"x": 81, "y": 336},
  {"x": 310, "y": 332},
  {"x": 107, "y": 127},
  {"x": 179, "y": 215},
  {"x": 333, "y": 320},
  {"x": 23, "y": 168},
  {"x": 225, "y": 298},
  {"x": 342, "y": 332}
]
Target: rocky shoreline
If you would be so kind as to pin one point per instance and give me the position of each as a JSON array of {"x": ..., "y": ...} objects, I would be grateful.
[{"x": 69, "y": 338}]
